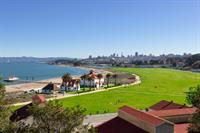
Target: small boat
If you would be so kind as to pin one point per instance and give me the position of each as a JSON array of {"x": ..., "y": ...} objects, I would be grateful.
[{"x": 11, "y": 79}]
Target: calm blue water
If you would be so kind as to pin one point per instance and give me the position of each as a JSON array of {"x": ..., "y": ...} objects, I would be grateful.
[{"x": 36, "y": 71}]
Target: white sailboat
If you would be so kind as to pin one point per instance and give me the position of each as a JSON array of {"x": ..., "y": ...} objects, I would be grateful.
[{"x": 11, "y": 79}]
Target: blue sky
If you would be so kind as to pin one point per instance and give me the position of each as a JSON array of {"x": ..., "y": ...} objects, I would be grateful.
[{"x": 78, "y": 28}]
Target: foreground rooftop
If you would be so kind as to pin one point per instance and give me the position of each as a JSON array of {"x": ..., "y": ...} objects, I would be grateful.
[{"x": 131, "y": 120}]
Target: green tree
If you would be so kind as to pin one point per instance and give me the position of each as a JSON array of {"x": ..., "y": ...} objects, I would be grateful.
[
  {"x": 53, "y": 117},
  {"x": 193, "y": 97},
  {"x": 4, "y": 109},
  {"x": 115, "y": 76},
  {"x": 77, "y": 84},
  {"x": 47, "y": 118},
  {"x": 90, "y": 78},
  {"x": 195, "y": 123},
  {"x": 66, "y": 78},
  {"x": 100, "y": 76},
  {"x": 84, "y": 77},
  {"x": 108, "y": 75}
]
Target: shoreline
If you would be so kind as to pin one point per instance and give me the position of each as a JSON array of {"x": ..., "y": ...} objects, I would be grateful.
[
  {"x": 33, "y": 85},
  {"x": 97, "y": 70},
  {"x": 103, "y": 71},
  {"x": 21, "y": 87}
]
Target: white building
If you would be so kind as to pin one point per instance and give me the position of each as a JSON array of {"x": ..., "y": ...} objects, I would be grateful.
[
  {"x": 72, "y": 85},
  {"x": 94, "y": 82}
]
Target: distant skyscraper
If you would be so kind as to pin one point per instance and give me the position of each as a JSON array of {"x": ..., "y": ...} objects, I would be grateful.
[
  {"x": 122, "y": 54},
  {"x": 90, "y": 57},
  {"x": 136, "y": 54}
]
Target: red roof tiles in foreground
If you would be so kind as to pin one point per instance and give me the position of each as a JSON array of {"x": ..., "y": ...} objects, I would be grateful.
[
  {"x": 165, "y": 105},
  {"x": 143, "y": 116},
  {"x": 181, "y": 128},
  {"x": 118, "y": 125},
  {"x": 173, "y": 112}
]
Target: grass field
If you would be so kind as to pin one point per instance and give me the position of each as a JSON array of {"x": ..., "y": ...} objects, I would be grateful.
[{"x": 157, "y": 84}]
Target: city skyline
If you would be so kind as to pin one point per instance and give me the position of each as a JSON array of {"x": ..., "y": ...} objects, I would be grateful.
[
  {"x": 134, "y": 54},
  {"x": 79, "y": 29}
]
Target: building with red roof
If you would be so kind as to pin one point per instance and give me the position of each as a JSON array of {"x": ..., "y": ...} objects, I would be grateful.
[
  {"x": 130, "y": 120},
  {"x": 181, "y": 128},
  {"x": 140, "y": 121},
  {"x": 71, "y": 85},
  {"x": 38, "y": 99},
  {"x": 91, "y": 80},
  {"x": 23, "y": 113},
  {"x": 173, "y": 112},
  {"x": 165, "y": 105},
  {"x": 119, "y": 125}
]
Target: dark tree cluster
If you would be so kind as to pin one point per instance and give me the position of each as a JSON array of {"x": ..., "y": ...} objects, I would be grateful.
[
  {"x": 193, "y": 97},
  {"x": 50, "y": 117}
]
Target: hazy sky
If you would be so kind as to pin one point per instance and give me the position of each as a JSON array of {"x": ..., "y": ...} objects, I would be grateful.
[{"x": 78, "y": 28}]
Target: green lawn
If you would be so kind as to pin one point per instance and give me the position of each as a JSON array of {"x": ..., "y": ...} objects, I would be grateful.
[{"x": 157, "y": 84}]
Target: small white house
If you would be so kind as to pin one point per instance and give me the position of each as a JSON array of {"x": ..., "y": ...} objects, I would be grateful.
[
  {"x": 95, "y": 82},
  {"x": 72, "y": 85}
]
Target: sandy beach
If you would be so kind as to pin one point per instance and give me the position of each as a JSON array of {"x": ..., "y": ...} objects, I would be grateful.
[{"x": 34, "y": 85}]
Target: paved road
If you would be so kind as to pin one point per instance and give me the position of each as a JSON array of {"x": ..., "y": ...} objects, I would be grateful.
[{"x": 98, "y": 119}]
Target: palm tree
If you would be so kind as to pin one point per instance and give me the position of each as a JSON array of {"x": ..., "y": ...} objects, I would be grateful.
[
  {"x": 100, "y": 76},
  {"x": 108, "y": 75},
  {"x": 91, "y": 71},
  {"x": 115, "y": 76},
  {"x": 77, "y": 84},
  {"x": 66, "y": 78},
  {"x": 84, "y": 77},
  {"x": 90, "y": 80},
  {"x": 2, "y": 90}
]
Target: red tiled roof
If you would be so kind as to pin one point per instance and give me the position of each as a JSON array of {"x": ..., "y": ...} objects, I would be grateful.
[
  {"x": 92, "y": 74},
  {"x": 173, "y": 112},
  {"x": 153, "y": 120},
  {"x": 165, "y": 105},
  {"x": 181, "y": 128},
  {"x": 121, "y": 125},
  {"x": 38, "y": 99},
  {"x": 118, "y": 125},
  {"x": 24, "y": 112}
]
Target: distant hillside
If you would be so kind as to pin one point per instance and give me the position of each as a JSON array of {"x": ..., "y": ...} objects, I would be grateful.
[
  {"x": 29, "y": 59},
  {"x": 196, "y": 65},
  {"x": 182, "y": 62},
  {"x": 193, "y": 61},
  {"x": 69, "y": 61}
]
